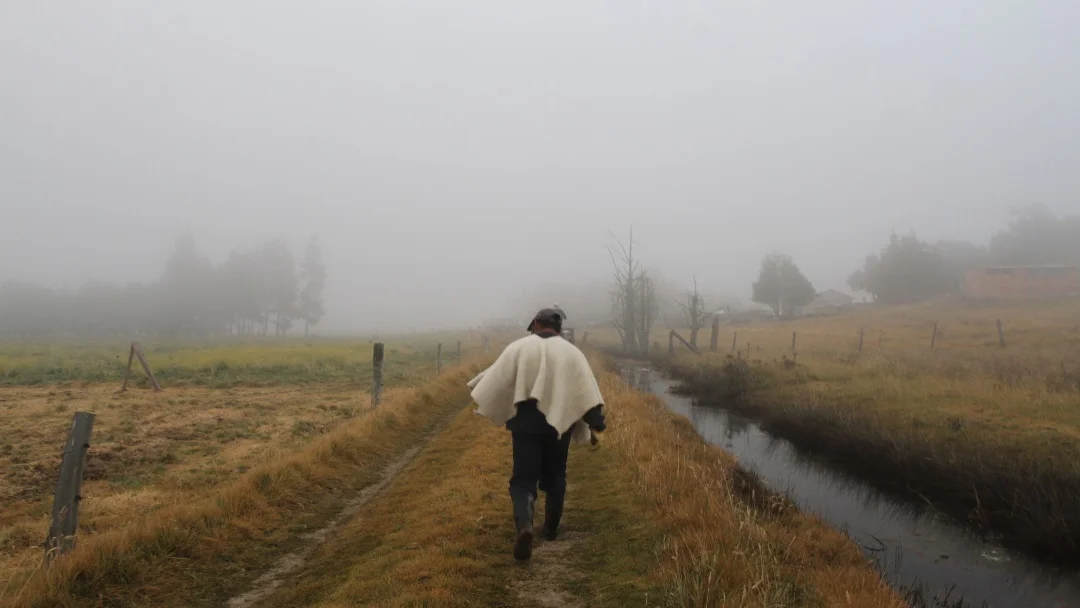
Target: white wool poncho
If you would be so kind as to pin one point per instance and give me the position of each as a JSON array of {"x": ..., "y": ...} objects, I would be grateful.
[{"x": 550, "y": 370}]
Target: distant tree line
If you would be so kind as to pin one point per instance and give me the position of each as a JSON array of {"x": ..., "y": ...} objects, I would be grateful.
[
  {"x": 908, "y": 269},
  {"x": 255, "y": 292}
]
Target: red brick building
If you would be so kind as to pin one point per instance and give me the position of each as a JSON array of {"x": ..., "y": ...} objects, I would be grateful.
[{"x": 1022, "y": 282}]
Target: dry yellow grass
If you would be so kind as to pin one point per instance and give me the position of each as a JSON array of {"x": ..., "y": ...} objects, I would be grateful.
[
  {"x": 148, "y": 449},
  {"x": 437, "y": 536},
  {"x": 1040, "y": 336},
  {"x": 1017, "y": 393},
  {"x": 198, "y": 505},
  {"x": 171, "y": 545},
  {"x": 990, "y": 434},
  {"x": 728, "y": 541},
  {"x": 654, "y": 518}
]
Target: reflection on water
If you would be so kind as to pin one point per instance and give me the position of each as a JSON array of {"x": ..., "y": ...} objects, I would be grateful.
[{"x": 913, "y": 546}]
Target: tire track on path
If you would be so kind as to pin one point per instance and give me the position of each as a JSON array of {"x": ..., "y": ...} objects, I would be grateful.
[{"x": 270, "y": 581}]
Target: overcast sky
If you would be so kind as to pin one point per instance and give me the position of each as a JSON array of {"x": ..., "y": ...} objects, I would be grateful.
[{"x": 448, "y": 154}]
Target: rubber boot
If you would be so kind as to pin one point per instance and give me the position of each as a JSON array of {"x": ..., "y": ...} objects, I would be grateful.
[
  {"x": 523, "y": 518},
  {"x": 553, "y": 509}
]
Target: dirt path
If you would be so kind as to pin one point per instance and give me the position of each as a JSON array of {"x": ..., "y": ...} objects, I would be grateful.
[
  {"x": 272, "y": 579},
  {"x": 544, "y": 579},
  {"x": 441, "y": 534},
  {"x": 549, "y": 571}
]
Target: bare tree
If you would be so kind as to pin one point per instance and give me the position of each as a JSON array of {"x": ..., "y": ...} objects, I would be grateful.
[
  {"x": 623, "y": 302},
  {"x": 633, "y": 299},
  {"x": 647, "y": 310},
  {"x": 693, "y": 312}
]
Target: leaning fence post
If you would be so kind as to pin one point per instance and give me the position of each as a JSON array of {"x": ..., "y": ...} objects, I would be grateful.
[
  {"x": 793, "y": 334},
  {"x": 734, "y": 340},
  {"x": 438, "y": 360},
  {"x": 860, "y": 340},
  {"x": 127, "y": 374},
  {"x": 1001, "y": 333},
  {"x": 715, "y": 334},
  {"x": 671, "y": 345},
  {"x": 146, "y": 366},
  {"x": 377, "y": 365},
  {"x": 671, "y": 342},
  {"x": 65, "y": 511},
  {"x": 933, "y": 338}
]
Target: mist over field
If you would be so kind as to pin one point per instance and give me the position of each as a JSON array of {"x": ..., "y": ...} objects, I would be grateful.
[
  {"x": 464, "y": 161},
  {"x": 819, "y": 264}
]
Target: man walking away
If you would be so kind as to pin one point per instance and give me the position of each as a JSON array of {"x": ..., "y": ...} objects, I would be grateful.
[{"x": 542, "y": 388}]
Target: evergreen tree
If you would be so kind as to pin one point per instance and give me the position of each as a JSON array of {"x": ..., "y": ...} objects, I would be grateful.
[{"x": 781, "y": 285}]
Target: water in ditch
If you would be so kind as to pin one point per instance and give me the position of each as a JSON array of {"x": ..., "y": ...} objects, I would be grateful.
[{"x": 916, "y": 549}]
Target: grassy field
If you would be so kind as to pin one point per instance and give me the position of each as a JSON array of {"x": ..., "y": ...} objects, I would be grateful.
[
  {"x": 193, "y": 532},
  {"x": 207, "y": 429},
  {"x": 987, "y": 433},
  {"x": 194, "y": 492},
  {"x": 148, "y": 449},
  {"x": 223, "y": 364},
  {"x": 655, "y": 517}
]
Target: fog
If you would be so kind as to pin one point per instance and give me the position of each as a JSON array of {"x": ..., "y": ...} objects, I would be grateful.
[{"x": 452, "y": 157}]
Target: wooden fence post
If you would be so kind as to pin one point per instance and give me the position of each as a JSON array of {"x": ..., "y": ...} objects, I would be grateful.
[
  {"x": 438, "y": 360},
  {"x": 671, "y": 342},
  {"x": 1001, "y": 333},
  {"x": 671, "y": 346},
  {"x": 793, "y": 335},
  {"x": 127, "y": 374},
  {"x": 933, "y": 339},
  {"x": 860, "y": 340},
  {"x": 734, "y": 339},
  {"x": 487, "y": 344},
  {"x": 377, "y": 366},
  {"x": 135, "y": 346},
  {"x": 65, "y": 511},
  {"x": 715, "y": 334}
]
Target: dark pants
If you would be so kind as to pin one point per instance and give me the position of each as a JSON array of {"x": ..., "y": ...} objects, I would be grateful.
[{"x": 540, "y": 459}]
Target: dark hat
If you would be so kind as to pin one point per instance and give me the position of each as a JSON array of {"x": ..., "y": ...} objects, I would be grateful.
[{"x": 551, "y": 317}]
